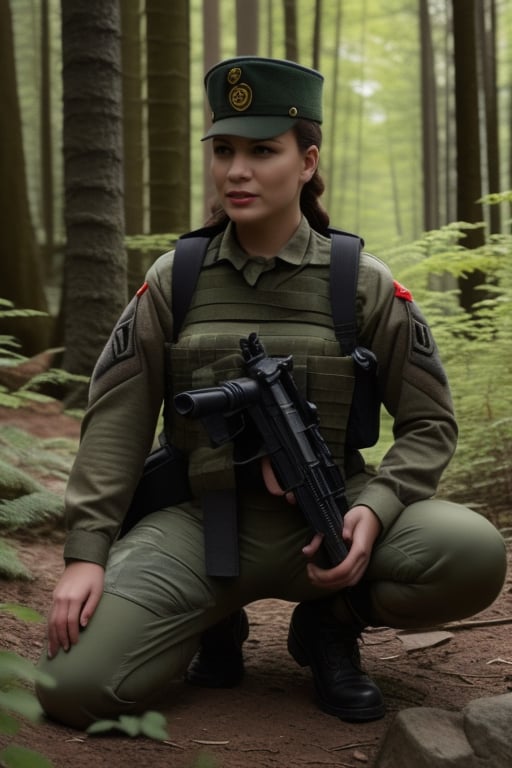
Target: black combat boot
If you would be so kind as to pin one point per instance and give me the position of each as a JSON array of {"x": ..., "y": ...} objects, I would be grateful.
[
  {"x": 219, "y": 662},
  {"x": 318, "y": 640}
]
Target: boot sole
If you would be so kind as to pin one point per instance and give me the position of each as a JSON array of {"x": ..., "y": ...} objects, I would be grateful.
[{"x": 350, "y": 715}]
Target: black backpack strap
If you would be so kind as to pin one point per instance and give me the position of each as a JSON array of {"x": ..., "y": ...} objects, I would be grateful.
[
  {"x": 219, "y": 507},
  {"x": 345, "y": 250},
  {"x": 189, "y": 255}
]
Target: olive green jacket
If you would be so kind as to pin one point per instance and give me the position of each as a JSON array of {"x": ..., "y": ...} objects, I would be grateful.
[{"x": 287, "y": 301}]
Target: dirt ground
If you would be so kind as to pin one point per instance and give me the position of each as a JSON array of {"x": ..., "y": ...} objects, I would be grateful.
[{"x": 271, "y": 720}]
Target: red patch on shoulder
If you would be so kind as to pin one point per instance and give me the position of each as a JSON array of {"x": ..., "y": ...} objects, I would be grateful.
[
  {"x": 401, "y": 292},
  {"x": 142, "y": 289}
]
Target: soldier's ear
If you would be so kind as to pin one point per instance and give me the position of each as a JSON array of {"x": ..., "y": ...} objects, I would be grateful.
[{"x": 310, "y": 160}]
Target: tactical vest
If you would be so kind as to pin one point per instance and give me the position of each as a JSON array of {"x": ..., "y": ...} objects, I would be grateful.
[{"x": 213, "y": 307}]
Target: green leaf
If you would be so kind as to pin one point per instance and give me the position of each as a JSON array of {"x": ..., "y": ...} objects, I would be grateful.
[
  {"x": 154, "y": 726},
  {"x": 11, "y": 566},
  {"x": 22, "y": 612},
  {"x": 20, "y": 757},
  {"x": 15, "y": 667},
  {"x": 8, "y": 725},
  {"x": 102, "y": 726},
  {"x": 126, "y": 723},
  {"x": 22, "y": 703},
  {"x": 151, "y": 724},
  {"x": 130, "y": 725}
]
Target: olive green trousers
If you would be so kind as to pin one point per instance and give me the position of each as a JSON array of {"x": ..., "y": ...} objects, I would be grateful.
[{"x": 439, "y": 562}]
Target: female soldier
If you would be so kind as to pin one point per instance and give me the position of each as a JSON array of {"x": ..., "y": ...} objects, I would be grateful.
[{"x": 144, "y": 600}]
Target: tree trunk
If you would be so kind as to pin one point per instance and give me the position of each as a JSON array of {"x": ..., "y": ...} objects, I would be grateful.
[
  {"x": 430, "y": 160},
  {"x": 469, "y": 180},
  {"x": 20, "y": 270},
  {"x": 95, "y": 259},
  {"x": 290, "y": 30},
  {"x": 46, "y": 142},
  {"x": 317, "y": 34},
  {"x": 486, "y": 36},
  {"x": 211, "y": 55},
  {"x": 247, "y": 20},
  {"x": 133, "y": 134},
  {"x": 168, "y": 54},
  {"x": 335, "y": 90}
]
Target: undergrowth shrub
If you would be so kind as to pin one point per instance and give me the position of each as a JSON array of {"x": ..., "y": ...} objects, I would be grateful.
[
  {"x": 16, "y": 702},
  {"x": 476, "y": 354},
  {"x": 26, "y": 460}
]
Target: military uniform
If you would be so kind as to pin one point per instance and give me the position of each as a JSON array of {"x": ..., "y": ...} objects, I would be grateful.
[{"x": 433, "y": 561}]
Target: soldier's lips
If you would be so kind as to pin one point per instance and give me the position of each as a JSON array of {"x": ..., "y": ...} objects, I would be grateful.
[{"x": 240, "y": 198}]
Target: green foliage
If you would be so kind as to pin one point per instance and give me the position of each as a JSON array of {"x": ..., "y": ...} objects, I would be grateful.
[
  {"x": 22, "y": 612},
  {"x": 25, "y": 502},
  {"x": 14, "y": 482},
  {"x": 150, "y": 724},
  {"x": 11, "y": 566},
  {"x": 206, "y": 761},
  {"x": 19, "y": 757},
  {"x": 30, "y": 510},
  {"x": 476, "y": 353},
  {"x": 161, "y": 241},
  {"x": 17, "y": 702}
]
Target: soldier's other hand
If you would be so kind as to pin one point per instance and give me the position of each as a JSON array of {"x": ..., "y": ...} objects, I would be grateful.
[
  {"x": 361, "y": 528},
  {"x": 75, "y": 598}
]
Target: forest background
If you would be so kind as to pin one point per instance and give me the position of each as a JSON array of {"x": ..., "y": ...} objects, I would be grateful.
[{"x": 102, "y": 167}]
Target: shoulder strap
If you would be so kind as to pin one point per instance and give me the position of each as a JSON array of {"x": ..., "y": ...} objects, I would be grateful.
[
  {"x": 345, "y": 250},
  {"x": 188, "y": 258}
]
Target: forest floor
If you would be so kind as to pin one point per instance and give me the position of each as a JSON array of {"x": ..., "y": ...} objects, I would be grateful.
[{"x": 271, "y": 720}]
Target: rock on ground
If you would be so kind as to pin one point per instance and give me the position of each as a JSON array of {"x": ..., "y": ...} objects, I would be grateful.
[{"x": 427, "y": 737}]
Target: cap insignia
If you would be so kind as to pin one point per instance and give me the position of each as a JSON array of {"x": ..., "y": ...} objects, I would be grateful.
[
  {"x": 240, "y": 97},
  {"x": 234, "y": 75}
]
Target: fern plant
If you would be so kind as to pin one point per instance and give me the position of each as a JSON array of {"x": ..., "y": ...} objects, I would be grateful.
[
  {"x": 15, "y": 701},
  {"x": 25, "y": 502},
  {"x": 476, "y": 354}
]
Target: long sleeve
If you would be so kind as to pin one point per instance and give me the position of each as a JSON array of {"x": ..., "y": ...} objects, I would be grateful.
[
  {"x": 118, "y": 429},
  {"x": 414, "y": 390}
]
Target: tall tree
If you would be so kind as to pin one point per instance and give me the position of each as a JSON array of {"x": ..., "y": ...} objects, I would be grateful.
[
  {"x": 469, "y": 173},
  {"x": 430, "y": 160},
  {"x": 290, "y": 30},
  {"x": 20, "y": 272},
  {"x": 168, "y": 62},
  {"x": 211, "y": 55},
  {"x": 486, "y": 37},
  {"x": 317, "y": 27},
  {"x": 95, "y": 260},
  {"x": 133, "y": 132},
  {"x": 247, "y": 28},
  {"x": 335, "y": 91},
  {"x": 46, "y": 139}
]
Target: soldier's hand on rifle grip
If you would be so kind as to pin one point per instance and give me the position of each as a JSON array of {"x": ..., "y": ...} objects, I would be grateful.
[{"x": 360, "y": 531}]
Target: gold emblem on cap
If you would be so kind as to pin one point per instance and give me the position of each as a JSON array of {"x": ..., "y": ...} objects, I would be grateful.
[
  {"x": 234, "y": 75},
  {"x": 240, "y": 97},
  {"x": 293, "y": 111}
]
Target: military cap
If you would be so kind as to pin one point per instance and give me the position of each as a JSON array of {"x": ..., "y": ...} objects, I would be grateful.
[{"x": 259, "y": 98}]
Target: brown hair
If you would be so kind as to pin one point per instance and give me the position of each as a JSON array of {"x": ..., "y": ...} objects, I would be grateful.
[{"x": 306, "y": 133}]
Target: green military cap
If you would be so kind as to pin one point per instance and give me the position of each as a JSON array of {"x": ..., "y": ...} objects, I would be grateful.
[{"x": 259, "y": 98}]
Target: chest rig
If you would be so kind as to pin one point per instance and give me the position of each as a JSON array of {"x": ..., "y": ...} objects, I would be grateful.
[{"x": 220, "y": 506}]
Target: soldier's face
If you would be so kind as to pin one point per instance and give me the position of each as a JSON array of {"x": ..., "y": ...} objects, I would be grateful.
[{"x": 261, "y": 181}]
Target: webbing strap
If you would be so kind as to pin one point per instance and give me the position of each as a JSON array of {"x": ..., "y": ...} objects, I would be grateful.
[
  {"x": 345, "y": 250},
  {"x": 188, "y": 258}
]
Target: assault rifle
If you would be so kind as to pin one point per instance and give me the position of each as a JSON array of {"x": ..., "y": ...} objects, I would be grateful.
[{"x": 268, "y": 400}]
